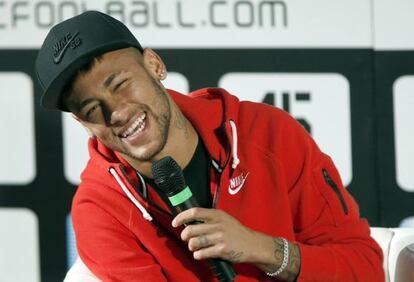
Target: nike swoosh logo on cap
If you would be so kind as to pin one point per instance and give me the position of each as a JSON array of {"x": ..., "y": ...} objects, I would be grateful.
[{"x": 58, "y": 58}]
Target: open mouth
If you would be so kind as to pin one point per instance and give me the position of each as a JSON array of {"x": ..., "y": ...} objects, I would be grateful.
[{"x": 135, "y": 128}]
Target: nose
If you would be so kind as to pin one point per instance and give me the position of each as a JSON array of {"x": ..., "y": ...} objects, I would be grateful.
[{"x": 119, "y": 116}]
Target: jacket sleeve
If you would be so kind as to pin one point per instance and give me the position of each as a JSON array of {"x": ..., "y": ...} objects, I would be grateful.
[
  {"x": 335, "y": 243},
  {"x": 98, "y": 234}
]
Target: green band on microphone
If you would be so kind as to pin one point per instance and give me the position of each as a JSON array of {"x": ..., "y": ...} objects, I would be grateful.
[{"x": 181, "y": 197}]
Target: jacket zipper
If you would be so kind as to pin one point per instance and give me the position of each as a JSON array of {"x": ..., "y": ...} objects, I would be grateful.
[
  {"x": 333, "y": 185},
  {"x": 216, "y": 195},
  {"x": 220, "y": 171}
]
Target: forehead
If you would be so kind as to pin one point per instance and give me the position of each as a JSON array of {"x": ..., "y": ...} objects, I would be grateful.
[{"x": 112, "y": 60}]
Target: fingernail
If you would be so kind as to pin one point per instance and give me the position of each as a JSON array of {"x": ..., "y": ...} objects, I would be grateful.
[{"x": 173, "y": 223}]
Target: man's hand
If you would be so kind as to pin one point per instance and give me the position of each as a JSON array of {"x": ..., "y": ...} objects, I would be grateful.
[{"x": 219, "y": 235}]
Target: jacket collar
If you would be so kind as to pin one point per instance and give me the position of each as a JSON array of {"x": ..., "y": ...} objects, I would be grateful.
[{"x": 210, "y": 111}]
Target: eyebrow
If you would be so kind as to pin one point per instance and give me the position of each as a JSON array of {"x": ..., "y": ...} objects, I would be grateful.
[{"x": 109, "y": 79}]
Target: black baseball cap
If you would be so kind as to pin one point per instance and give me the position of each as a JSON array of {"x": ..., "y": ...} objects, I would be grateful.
[{"x": 73, "y": 43}]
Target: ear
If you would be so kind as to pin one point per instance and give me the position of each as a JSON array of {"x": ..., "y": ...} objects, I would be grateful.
[
  {"x": 90, "y": 133},
  {"x": 154, "y": 64}
]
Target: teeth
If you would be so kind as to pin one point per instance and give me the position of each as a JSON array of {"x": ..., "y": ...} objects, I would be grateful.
[{"x": 136, "y": 127}]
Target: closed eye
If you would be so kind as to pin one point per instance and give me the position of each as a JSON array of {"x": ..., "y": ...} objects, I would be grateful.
[
  {"x": 91, "y": 111},
  {"x": 118, "y": 85}
]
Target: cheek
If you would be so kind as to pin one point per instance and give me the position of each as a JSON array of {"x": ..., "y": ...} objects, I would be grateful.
[
  {"x": 102, "y": 132},
  {"x": 130, "y": 93},
  {"x": 145, "y": 93}
]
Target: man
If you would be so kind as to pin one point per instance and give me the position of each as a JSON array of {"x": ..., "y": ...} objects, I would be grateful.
[{"x": 273, "y": 203}]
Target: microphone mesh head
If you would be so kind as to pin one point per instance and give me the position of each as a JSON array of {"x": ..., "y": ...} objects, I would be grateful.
[{"x": 168, "y": 175}]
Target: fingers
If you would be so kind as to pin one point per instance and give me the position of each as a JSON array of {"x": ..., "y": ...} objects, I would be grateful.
[
  {"x": 218, "y": 251},
  {"x": 195, "y": 214},
  {"x": 217, "y": 236},
  {"x": 201, "y": 235},
  {"x": 195, "y": 230},
  {"x": 200, "y": 242},
  {"x": 209, "y": 252}
]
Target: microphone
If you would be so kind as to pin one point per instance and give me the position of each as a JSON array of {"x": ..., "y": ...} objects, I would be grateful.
[{"x": 170, "y": 179}]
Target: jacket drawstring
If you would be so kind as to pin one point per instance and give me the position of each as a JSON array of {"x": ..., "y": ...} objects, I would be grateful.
[
  {"x": 144, "y": 186},
  {"x": 236, "y": 160},
  {"x": 131, "y": 197}
]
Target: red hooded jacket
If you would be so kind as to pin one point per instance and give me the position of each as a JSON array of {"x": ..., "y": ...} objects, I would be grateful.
[{"x": 268, "y": 173}]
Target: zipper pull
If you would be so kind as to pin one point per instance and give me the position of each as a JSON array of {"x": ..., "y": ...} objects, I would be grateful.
[
  {"x": 328, "y": 179},
  {"x": 216, "y": 166}
]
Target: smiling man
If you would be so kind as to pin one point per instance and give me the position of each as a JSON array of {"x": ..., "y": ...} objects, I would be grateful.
[
  {"x": 272, "y": 203},
  {"x": 126, "y": 108}
]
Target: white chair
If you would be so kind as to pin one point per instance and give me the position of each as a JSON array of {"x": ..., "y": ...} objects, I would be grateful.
[
  {"x": 80, "y": 273},
  {"x": 383, "y": 236},
  {"x": 391, "y": 240}
]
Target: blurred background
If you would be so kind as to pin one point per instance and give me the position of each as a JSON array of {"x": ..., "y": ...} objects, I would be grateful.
[{"x": 344, "y": 69}]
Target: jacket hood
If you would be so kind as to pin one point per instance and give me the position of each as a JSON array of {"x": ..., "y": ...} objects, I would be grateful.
[{"x": 212, "y": 112}]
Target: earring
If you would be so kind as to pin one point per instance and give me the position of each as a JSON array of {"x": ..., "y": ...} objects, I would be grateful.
[{"x": 162, "y": 74}]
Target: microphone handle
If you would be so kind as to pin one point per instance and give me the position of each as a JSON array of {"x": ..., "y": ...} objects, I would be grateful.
[{"x": 222, "y": 269}]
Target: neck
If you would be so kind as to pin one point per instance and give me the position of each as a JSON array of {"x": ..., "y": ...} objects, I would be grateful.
[{"x": 181, "y": 144}]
